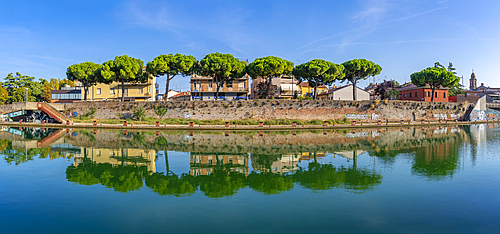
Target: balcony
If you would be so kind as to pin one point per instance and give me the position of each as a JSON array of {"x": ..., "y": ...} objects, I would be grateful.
[{"x": 222, "y": 89}]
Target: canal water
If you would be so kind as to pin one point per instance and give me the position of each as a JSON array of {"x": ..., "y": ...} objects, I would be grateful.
[{"x": 409, "y": 180}]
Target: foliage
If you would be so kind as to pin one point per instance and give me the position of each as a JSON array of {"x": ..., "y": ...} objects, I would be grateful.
[
  {"x": 171, "y": 65},
  {"x": 359, "y": 69},
  {"x": 393, "y": 94},
  {"x": 122, "y": 69},
  {"x": 83, "y": 73},
  {"x": 457, "y": 88},
  {"x": 182, "y": 121},
  {"x": 269, "y": 183},
  {"x": 171, "y": 185},
  {"x": 435, "y": 77},
  {"x": 433, "y": 164},
  {"x": 139, "y": 113},
  {"x": 16, "y": 87},
  {"x": 222, "y": 184},
  {"x": 4, "y": 96},
  {"x": 65, "y": 82},
  {"x": 121, "y": 178},
  {"x": 47, "y": 87},
  {"x": 326, "y": 176},
  {"x": 222, "y": 68},
  {"x": 384, "y": 89},
  {"x": 268, "y": 68},
  {"x": 161, "y": 111},
  {"x": 318, "y": 72}
]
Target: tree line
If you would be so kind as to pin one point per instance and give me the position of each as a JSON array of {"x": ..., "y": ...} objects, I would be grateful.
[
  {"x": 222, "y": 68},
  {"x": 20, "y": 88}
]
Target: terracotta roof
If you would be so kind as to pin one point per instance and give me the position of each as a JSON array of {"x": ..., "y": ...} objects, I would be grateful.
[
  {"x": 411, "y": 86},
  {"x": 182, "y": 94}
]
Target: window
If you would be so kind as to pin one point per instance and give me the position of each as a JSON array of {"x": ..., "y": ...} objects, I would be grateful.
[
  {"x": 427, "y": 94},
  {"x": 410, "y": 95},
  {"x": 444, "y": 94},
  {"x": 140, "y": 90},
  {"x": 230, "y": 84},
  {"x": 112, "y": 91},
  {"x": 210, "y": 84},
  {"x": 416, "y": 94},
  {"x": 126, "y": 90},
  {"x": 98, "y": 153},
  {"x": 435, "y": 94},
  {"x": 98, "y": 91}
]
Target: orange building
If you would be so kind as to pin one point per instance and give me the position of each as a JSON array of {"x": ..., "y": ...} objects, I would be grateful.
[{"x": 423, "y": 94}]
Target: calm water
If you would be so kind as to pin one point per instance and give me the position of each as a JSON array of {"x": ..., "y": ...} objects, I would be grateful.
[{"x": 411, "y": 180}]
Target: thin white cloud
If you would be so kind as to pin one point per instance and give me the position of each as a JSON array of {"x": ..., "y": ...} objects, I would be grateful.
[
  {"x": 225, "y": 24},
  {"x": 371, "y": 14}
]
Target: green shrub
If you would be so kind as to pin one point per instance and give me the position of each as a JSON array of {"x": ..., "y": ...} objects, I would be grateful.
[
  {"x": 139, "y": 113},
  {"x": 161, "y": 111}
]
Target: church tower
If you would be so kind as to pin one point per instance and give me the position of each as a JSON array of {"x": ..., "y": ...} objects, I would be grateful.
[{"x": 473, "y": 81}]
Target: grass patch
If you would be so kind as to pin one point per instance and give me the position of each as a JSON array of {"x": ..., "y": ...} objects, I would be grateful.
[{"x": 174, "y": 121}]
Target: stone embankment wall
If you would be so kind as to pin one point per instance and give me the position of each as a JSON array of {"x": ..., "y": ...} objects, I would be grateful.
[
  {"x": 269, "y": 109},
  {"x": 278, "y": 109}
]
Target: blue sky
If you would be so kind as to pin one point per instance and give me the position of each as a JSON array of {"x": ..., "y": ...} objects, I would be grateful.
[{"x": 42, "y": 38}]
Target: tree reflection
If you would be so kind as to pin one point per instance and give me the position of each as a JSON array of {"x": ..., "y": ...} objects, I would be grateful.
[
  {"x": 269, "y": 183},
  {"x": 172, "y": 185},
  {"x": 325, "y": 176},
  {"x": 121, "y": 178},
  {"x": 436, "y": 162},
  {"x": 221, "y": 183}
]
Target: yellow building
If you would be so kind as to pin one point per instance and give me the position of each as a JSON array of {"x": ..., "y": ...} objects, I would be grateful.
[
  {"x": 132, "y": 91},
  {"x": 308, "y": 91},
  {"x": 108, "y": 92},
  {"x": 141, "y": 157}
]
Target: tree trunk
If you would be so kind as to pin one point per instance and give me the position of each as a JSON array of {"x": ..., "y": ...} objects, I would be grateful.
[
  {"x": 354, "y": 96},
  {"x": 168, "y": 84},
  {"x": 268, "y": 87},
  {"x": 315, "y": 90},
  {"x": 85, "y": 89},
  {"x": 217, "y": 91},
  {"x": 123, "y": 90},
  {"x": 432, "y": 98},
  {"x": 354, "y": 163},
  {"x": 166, "y": 163}
]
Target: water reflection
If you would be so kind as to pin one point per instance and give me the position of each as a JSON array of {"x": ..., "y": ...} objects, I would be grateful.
[{"x": 221, "y": 164}]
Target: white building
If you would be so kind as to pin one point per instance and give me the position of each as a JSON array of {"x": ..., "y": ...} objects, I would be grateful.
[{"x": 345, "y": 93}]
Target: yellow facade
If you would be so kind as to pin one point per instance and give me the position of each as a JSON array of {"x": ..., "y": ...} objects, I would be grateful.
[
  {"x": 133, "y": 91},
  {"x": 307, "y": 91},
  {"x": 141, "y": 157}
]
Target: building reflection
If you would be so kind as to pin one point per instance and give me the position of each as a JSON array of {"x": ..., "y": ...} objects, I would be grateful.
[
  {"x": 124, "y": 157},
  {"x": 207, "y": 163}
]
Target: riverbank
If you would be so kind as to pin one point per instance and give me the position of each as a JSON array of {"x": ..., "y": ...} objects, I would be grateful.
[{"x": 245, "y": 127}]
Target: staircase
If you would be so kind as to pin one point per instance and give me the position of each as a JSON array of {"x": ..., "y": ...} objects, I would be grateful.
[
  {"x": 52, "y": 112},
  {"x": 466, "y": 116}
]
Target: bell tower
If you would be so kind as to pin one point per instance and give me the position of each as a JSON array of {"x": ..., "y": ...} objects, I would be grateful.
[{"x": 473, "y": 81}]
